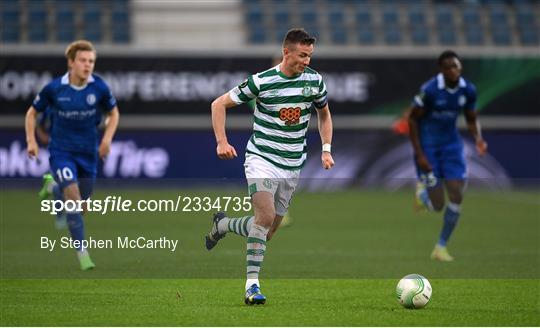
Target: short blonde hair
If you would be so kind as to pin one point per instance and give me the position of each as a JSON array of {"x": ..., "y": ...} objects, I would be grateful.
[{"x": 79, "y": 45}]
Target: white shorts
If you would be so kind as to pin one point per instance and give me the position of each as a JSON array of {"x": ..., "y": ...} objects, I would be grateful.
[{"x": 264, "y": 176}]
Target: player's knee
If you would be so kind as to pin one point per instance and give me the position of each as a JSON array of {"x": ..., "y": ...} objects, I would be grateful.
[
  {"x": 456, "y": 198},
  {"x": 71, "y": 192},
  {"x": 438, "y": 207},
  {"x": 265, "y": 218}
]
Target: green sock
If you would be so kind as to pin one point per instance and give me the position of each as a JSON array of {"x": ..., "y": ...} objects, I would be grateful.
[
  {"x": 240, "y": 226},
  {"x": 256, "y": 246}
]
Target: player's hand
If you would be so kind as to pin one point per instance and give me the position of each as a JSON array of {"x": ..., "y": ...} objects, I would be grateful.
[
  {"x": 481, "y": 147},
  {"x": 104, "y": 148},
  {"x": 225, "y": 151},
  {"x": 32, "y": 149},
  {"x": 423, "y": 163},
  {"x": 327, "y": 160}
]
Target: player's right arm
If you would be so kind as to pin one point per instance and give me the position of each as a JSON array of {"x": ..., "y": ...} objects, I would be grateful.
[
  {"x": 30, "y": 127},
  {"x": 243, "y": 93},
  {"x": 219, "y": 107},
  {"x": 416, "y": 113},
  {"x": 40, "y": 104}
]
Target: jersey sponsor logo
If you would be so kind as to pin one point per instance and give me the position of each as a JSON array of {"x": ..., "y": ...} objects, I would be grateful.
[
  {"x": 77, "y": 115},
  {"x": 290, "y": 115},
  {"x": 91, "y": 99},
  {"x": 444, "y": 114},
  {"x": 64, "y": 99}
]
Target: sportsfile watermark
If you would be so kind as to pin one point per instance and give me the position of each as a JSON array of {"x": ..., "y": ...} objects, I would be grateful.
[{"x": 123, "y": 204}]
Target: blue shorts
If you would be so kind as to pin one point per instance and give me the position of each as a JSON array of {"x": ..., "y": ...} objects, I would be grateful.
[
  {"x": 70, "y": 167},
  {"x": 448, "y": 162}
]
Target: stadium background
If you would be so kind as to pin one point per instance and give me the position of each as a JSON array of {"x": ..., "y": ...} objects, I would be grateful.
[{"x": 165, "y": 61}]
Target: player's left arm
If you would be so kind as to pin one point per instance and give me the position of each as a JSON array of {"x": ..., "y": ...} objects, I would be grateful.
[
  {"x": 473, "y": 124},
  {"x": 324, "y": 119},
  {"x": 111, "y": 123},
  {"x": 471, "y": 117}
]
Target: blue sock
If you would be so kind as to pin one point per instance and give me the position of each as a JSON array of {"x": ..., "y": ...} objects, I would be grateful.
[
  {"x": 76, "y": 226},
  {"x": 58, "y": 195},
  {"x": 57, "y": 192},
  {"x": 451, "y": 216}
]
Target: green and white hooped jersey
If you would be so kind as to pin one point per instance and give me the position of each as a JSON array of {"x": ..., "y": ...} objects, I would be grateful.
[{"x": 282, "y": 112}]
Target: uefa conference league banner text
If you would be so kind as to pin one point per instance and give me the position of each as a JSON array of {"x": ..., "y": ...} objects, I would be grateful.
[{"x": 184, "y": 85}]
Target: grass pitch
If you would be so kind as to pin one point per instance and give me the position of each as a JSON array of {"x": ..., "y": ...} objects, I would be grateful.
[
  {"x": 337, "y": 265},
  {"x": 292, "y": 302}
]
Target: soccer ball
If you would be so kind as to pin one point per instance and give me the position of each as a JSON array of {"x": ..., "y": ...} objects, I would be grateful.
[{"x": 413, "y": 291}]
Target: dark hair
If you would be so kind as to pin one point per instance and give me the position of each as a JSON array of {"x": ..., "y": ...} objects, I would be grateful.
[
  {"x": 445, "y": 55},
  {"x": 297, "y": 35}
]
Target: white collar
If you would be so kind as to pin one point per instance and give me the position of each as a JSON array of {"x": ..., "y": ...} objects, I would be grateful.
[
  {"x": 65, "y": 79},
  {"x": 441, "y": 85}
]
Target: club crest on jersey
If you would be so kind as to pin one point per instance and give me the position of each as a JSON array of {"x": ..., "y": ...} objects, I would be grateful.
[
  {"x": 91, "y": 99},
  {"x": 462, "y": 100},
  {"x": 306, "y": 91},
  {"x": 267, "y": 183}
]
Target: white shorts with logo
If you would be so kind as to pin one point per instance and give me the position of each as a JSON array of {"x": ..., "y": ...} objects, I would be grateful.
[{"x": 262, "y": 175}]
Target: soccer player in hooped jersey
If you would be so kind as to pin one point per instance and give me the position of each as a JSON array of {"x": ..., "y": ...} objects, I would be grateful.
[
  {"x": 276, "y": 151},
  {"x": 438, "y": 148},
  {"x": 76, "y": 101}
]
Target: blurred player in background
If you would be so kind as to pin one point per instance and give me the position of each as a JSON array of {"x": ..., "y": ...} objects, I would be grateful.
[
  {"x": 49, "y": 188},
  {"x": 401, "y": 125},
  {"x": 76, "y": 101},
  {"x": 276, "y": 151},
  {"x": 437, "y": 144}
]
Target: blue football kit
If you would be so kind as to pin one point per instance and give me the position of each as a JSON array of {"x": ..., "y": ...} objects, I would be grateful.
[
  {"x": 44, "y": 120},
  {"x": 75, "y": 113},
  {"x": 439, "y": 137}
]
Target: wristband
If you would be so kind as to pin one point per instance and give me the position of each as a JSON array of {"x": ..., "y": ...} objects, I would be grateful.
[{"x": 327, "y": 147}]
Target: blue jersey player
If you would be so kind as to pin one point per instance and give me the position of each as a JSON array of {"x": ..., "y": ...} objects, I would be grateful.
[
  {"x": 76, "y": 102},
  {"x": 437, "y": 145}
]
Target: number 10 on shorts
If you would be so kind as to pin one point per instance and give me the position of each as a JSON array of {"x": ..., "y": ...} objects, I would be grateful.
[{"x": 64, "y": 174}]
